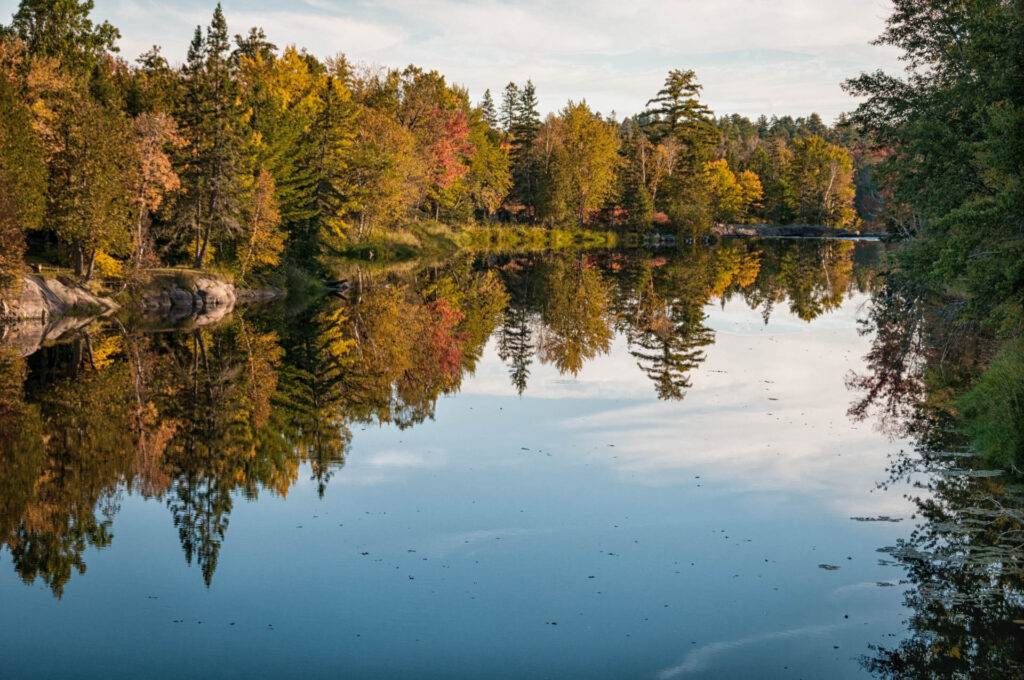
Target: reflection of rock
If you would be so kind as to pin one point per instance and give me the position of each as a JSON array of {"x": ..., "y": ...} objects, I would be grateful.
[
  {"x": 262, "y": 295},
  {"x": 202, "y": 296},
  {"x": 28, "y": 335},
  {"x": 49, "y": 298},
  {"x": 787, "y": 230}
]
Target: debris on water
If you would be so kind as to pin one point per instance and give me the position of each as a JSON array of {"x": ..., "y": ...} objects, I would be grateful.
[
  {"x": 880, "y": 518},
  {"x": 828, "y": 567}
]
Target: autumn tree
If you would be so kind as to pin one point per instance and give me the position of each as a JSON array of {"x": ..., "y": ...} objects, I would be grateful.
[
  {"x": 22, "y": 180},
  {"x": 587, "y": 158},
  {"x": 264, "y": 239},
  {"x": 154, "y": 136},
  {"x": 385, "y": 173},
  {"x": 90, "y": 192},
  {"x": 822, "y": 174}
]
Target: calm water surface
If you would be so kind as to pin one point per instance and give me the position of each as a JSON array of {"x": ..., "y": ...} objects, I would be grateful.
[{"x": 563, "y": 466}]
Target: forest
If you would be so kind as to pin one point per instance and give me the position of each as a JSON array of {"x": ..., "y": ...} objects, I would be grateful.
[{"x": 261, "y": 163}]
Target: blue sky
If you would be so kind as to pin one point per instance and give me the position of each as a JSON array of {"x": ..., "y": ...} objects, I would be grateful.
[{"x": 752, "y": 56}]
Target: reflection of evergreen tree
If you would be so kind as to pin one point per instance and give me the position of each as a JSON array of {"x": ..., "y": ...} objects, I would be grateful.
[
  {"x": 200, "y": 506},
  {"x": 669, "y": 351},
  {"x": 515, "y": 335},
  {"x": 217, "y": 386},
  {"x": 515, "y": 344},
  {"x": 309, "y": 404}
]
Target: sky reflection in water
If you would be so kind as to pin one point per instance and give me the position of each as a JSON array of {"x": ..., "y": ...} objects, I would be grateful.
[{"x": 584, "y": 529}]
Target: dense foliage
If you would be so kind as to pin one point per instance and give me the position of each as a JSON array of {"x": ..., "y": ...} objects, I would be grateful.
[
  {"x": 247, "y": 158},
  {"x": 951, "y": 135}
]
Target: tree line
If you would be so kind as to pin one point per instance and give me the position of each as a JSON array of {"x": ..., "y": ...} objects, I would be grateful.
[{"x": 247, "y": 158}]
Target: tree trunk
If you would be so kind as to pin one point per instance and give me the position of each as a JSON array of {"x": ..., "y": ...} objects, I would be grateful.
[
  {"x": 79, "y": 259},
  {"x": 201, "y": 249},
  {"x": 138, "y": 238},
  {"x": 90, "y": 265}
]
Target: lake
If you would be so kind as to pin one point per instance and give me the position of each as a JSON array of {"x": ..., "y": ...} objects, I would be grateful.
[{"x": 568, "y": 465}]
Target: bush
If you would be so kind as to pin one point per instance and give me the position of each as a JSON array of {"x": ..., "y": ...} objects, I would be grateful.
[{"x": 992, "y": 413}]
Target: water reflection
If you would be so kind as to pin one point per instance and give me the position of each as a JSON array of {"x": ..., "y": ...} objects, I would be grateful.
[
  {"x": 198, "y": 417},
  {"x": 964, "y": 562}
]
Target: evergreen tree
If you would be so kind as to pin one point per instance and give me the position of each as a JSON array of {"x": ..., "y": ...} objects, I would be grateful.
[
  {"x": 525, "y": 169},
  {"x": 217, "y": 176},
  {"x": 487, "y": 108},
  {"x": 509, "y": 108},
  {"x": 89, "y": 183},
  {"x": 62, "y": 29},
  {"x": 677, "y": 112}
]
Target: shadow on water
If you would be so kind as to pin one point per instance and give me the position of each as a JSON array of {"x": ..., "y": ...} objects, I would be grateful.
[{"x": 200, "y": 414}]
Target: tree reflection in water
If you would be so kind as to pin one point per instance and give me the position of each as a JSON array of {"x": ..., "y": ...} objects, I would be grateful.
[
  {"x": 201, "y": 416},
  {"x": 964, "y": 562}
]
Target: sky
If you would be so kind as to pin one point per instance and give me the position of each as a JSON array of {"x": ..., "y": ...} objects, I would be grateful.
[{"x": 752, "y": 56}]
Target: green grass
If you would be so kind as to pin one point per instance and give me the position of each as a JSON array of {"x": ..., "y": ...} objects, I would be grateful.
[{"x": 421, "y": 239}]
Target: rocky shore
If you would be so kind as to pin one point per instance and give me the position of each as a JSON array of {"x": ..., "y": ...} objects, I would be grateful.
[
  {"x": 781, "y": 231},
  {"x": 47, "y": 298},
  {"x": 47, "y": 308}
]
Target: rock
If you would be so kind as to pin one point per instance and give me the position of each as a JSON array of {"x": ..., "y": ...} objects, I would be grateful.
[
  {"x": 200, "y": 298},
  {"x": 773, "y": 231},
  {"x": 44, "y": 299},
  {"x": 182, "y": 299},
  {"x": 213, "y": 293}
]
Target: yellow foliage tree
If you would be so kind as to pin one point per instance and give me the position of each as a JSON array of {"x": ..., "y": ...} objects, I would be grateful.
[{"x": 265, "y": 238}]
